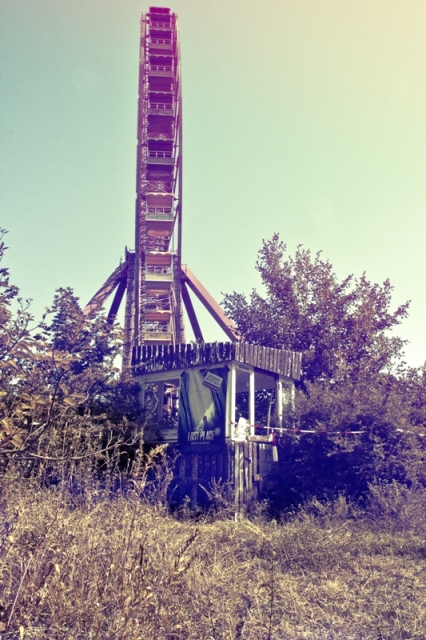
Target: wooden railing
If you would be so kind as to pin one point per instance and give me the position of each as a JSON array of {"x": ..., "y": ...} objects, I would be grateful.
[{"x": 165, "y": 357}]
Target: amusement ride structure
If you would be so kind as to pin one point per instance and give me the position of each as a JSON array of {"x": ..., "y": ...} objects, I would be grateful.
[
  {"x": 152, "y": 276},
  {"x": 197, "y": 385}
]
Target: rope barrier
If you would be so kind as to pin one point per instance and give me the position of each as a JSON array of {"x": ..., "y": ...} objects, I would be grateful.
[{"x": 280, "y": 430}]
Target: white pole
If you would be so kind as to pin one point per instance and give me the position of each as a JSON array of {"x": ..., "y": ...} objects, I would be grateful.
[
  {"x": 232, "y": 392},
  {"x": 252, "y": 417},
  {"x": 279, "y": 402},
  {"x": 230, "y": 405}
]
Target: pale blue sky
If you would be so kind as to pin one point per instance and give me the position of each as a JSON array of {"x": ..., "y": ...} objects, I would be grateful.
[{"x": 305, "y": 117}]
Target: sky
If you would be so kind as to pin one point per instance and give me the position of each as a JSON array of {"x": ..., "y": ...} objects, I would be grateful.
[{"x": 303, "y": 117}]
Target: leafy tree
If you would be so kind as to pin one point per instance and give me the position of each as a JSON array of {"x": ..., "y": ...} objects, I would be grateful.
[
  {"x": 341, "y": 326},
  {"x": 353, "y": 376},
  {"x": 60, "y": 394}
]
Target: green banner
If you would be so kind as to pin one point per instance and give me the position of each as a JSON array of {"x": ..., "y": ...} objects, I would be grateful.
[{"x": 202, "y": 401}]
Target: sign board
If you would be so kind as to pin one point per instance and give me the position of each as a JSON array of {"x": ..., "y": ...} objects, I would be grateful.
[
  {"x": 202, "y": 407},
  {"x": 212, "y": 381}
]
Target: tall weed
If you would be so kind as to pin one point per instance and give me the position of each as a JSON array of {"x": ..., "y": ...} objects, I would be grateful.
[{"x": 115, "y": 565}]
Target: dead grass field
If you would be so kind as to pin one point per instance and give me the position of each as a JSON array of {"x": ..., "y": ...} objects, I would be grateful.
[{"x": 92, "y": 566}]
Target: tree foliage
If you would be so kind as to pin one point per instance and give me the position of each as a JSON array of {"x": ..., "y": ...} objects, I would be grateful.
[
  {"x": 354, "y": 378},
  {"x": 60, "y": 395},
  {"x": 341, "y": 326}
]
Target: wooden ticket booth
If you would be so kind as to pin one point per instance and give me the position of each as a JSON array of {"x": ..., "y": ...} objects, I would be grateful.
[{"x": 206, "y": 400}]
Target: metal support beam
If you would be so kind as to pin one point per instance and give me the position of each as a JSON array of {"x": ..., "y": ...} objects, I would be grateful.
[
  {"x": 211, "y": 305},
  {"x": 117, "y": 300},
  {"x": 191, "y": 313},
  {"x": 107, "y": 288}
]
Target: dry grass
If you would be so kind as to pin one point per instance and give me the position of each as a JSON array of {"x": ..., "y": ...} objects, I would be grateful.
[{"x": 93, "y": 566}]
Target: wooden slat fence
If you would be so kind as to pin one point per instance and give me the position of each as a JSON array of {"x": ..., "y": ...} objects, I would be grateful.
[{"x": 149, "y": 358}]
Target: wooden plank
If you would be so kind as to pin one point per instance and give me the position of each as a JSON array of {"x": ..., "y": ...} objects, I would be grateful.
[
  {"x": 278, "y": 362},
  {"x": 239, "y": 476},
  {"x": 278, "y": 367},
  {"x": 221, "y": 350},
  {"x": 266, "y": 358},
  {"x": 254, "y": 468},
  {"x": 228, "y": 351},
  {"x": 169, "y": 359},
  {"x": 252, "y": 354},
  {"x": 258, "y": 355},
  {"x": 262, "y": 354},
  {"x": 245, "y": 350},
  {"x": 269, "y": 357},
  {"x": 215, "y": 352},
  {"x": 247, "y": 473},
  {"x": 284, "y": 363},
  {"x": 182, "y": 355},
  {"x": 291, "y": 361},
  {"x": 294, "y": 365},
  {"x": 297, "y": 366},
  {"x": 172, "y": 357},
  {"x": 275, "y": 360}
]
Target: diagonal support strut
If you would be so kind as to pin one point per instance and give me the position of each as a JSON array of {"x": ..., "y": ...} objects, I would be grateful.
[
  {"x": 215, "y": 310},
  {"x": 191, "y": 313},
  {"x": 115, "y": 279}
]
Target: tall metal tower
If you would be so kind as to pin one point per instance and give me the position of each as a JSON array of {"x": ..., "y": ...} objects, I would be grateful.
[
  {"x": 195, "y": 385},
  {"x": 153, "y": 275},
  {"x": 154, "y": 313}
]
